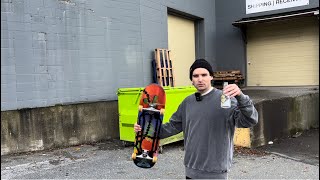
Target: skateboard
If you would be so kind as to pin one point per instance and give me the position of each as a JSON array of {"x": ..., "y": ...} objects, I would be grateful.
[{"x": 150, "y": 116}]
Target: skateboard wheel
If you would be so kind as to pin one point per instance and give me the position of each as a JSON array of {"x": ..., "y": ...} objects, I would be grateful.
[
  {"x": 154, "y": 159},
  {"x": 133, "y": 156},
  {"x": 140, "y": 108},
  {"x": 161, "y": 111}
]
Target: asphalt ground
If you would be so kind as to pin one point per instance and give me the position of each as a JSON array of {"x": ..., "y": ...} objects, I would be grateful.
[{"x": 294, "y": 157}]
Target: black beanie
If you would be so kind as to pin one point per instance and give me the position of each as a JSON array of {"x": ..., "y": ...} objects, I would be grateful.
[{"x": 200, "y": 63}]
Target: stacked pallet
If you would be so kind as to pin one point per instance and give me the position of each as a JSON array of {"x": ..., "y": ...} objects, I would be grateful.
[
  {"x": 232, "y": 77},
  {"x": 163, "y": 66}
]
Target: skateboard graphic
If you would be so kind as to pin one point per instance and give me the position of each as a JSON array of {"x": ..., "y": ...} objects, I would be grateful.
[{"x": 150, "y": 116}]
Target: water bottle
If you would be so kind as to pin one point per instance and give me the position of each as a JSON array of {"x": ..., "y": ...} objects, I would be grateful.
[{"x": 225, "y": 100}]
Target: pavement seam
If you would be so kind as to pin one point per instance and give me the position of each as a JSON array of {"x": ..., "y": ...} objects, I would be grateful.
[
  {"x": 291, "y": 158},
  {"x": 284, "y": 156}
]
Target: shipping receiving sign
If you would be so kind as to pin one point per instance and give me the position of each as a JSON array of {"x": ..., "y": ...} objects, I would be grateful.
[{"x": 255, "y": 6}]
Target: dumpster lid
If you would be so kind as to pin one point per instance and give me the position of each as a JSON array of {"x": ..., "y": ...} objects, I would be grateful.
[
  {"x": 128, "y": 90},
  {"x": 139, "y": 89}
]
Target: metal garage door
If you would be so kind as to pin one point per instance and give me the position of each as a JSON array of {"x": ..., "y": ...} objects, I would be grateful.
[
  {"x": 283, "y": 53},
  {"x": 181, "y": 40}
]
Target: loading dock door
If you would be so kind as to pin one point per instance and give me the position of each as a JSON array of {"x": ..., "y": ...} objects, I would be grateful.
[
  {"x": 283, "y": 53},
  {"x": 181, "y": 40}
]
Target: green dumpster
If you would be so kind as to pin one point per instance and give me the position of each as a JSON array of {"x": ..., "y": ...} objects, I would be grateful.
[{"x": 128, "y": 102}]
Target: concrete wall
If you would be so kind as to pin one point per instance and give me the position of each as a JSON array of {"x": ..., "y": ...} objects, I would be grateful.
[
  {"x": 71, "y": 51},
  {"x": 284, "y": 117},
  {"x": 59, "y": 126}
]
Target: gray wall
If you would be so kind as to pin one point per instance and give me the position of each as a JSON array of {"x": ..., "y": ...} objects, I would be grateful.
[
  {"x": 71, "y": 51},
  {"x": 230, "y": 46}
]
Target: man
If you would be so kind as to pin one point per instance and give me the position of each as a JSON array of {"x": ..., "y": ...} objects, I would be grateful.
[{"x": 209, "y": 129}]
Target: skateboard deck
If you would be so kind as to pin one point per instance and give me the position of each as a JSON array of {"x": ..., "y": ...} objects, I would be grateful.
[{"x": 150, "y": 116}]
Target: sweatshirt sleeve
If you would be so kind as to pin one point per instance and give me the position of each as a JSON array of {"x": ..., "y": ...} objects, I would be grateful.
[
  {"x": 244, "y": 114},
  {"x": 174, "y": 126}
]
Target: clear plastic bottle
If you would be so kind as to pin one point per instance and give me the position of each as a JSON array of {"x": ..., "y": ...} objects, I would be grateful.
[{"x": 225, "y": 100}]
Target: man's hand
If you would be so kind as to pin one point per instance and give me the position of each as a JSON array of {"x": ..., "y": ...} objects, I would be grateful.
[
  {"x": 232, "y": 90},
  {"x": 136, "y": 127}
]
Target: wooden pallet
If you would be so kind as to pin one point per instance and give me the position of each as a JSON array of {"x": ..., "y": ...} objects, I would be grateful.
[
  {"x": 232, "y": 77},
  {"x": 164, "y": 69}
]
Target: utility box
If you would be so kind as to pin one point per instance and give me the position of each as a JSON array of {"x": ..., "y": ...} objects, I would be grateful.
[{"x": 128, "y": 103}]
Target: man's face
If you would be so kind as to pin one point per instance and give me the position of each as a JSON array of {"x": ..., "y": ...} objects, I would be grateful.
[{"x": 201, "y": 79}]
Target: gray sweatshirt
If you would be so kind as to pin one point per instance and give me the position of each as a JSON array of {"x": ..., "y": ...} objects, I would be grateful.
[{"x": 208, "y": 131}]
